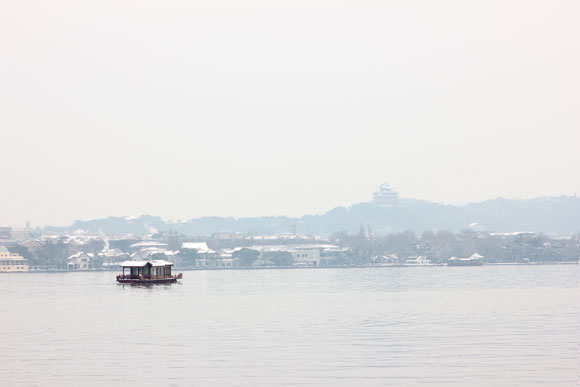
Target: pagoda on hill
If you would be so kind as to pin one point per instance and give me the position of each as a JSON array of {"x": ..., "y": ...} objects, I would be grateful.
[{"x": 386, "y": 196}]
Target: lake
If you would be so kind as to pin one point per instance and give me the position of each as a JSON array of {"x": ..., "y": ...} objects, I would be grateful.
[{"x": 476, "y": 326}]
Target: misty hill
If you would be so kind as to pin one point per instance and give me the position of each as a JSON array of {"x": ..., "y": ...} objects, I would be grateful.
[{"x": 557, "y": 215}]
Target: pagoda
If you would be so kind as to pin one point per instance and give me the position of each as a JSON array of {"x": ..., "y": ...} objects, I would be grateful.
[{"x": 385, "y": 196}]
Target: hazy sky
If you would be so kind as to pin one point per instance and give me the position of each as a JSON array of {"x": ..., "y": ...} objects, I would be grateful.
[{"x": 247, "y": 108}]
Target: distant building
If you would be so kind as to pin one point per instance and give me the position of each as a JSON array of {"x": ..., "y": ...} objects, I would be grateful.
[
  {"x": 206, "y": 255},
  {"x": 80, "y": 261},
  {"x": 138, "y": 256},
  {"x": 111, "y": 258},
  {"x": 8, "y": 242},
  {"x": 5, "y": 232},
  {"x": 200, "y": 247},
  {"x": 113, "y": 255},
  {"x": 306, "y": 256},
  {"x": 388, "y": 259},
  {"x": 329, "y": 255},
  {"x": 474, "y": 260},
  {"x": 122, "y": 242},
  {"x": 386, "y": 196},
  {"x": 140, "y": 246},
  {"x": 21, "y": 235},
  {"x": 224, "y": 260},
  {"x": 11, "y": 262},
  {"x": 33, "y": 245},
  {"x": 227, "y": 238}
]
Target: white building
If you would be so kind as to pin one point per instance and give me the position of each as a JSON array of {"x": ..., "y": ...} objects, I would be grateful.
[
  {"x": 200, "y": 247},
  {"x": 143, "y": 245},
  {"x": 306, "y": 257},
  {"x": 207, "y": 257},
  {"x": 304, "y": 254},
  {"x": 387, "y": 260},
  {"x": 80, "y": 261},
  {"x": 112, "y": 257}
]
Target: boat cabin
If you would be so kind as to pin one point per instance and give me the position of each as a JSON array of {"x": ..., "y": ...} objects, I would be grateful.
[{"x": 146, "y": 272}]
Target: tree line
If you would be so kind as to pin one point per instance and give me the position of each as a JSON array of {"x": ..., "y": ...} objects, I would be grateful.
[{"x": 439, "y": 246}]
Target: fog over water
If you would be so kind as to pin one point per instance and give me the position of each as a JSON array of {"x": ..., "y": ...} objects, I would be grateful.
[
  {"x": 478, "y": 326},
  {"x": 186, "y": 109}
]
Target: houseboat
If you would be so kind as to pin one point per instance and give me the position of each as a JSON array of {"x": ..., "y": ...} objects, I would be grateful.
[{"x": 147, "y": 272}]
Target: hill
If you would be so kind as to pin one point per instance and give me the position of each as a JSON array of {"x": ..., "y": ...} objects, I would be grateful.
[{"x": 554, "y": 215}]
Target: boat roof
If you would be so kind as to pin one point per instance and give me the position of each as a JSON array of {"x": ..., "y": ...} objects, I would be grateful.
[{"x": 154, "y": 263}]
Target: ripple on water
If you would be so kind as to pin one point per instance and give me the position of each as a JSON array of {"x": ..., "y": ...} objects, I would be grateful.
[{"x": 440, "y": 326}]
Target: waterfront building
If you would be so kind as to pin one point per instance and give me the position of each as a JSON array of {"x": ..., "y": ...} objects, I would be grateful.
[
  {"x": 206, "y": 256},
  {"x": 329, "y": 255},
  {"x": 474, "y": 260},
  {"x": 11, "y": 262},
  {"x": 224, "y": 260},
  {"x": 80, "y": 261},
  {"x": 306, "y": 256},
  {"x": 386, "y": 260}
]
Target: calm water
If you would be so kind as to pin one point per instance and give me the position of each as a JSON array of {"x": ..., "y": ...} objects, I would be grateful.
[{"x": 490, "y": 325}]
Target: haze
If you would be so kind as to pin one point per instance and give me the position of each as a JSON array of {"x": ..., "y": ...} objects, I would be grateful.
[{"x": 184, "y": 109}]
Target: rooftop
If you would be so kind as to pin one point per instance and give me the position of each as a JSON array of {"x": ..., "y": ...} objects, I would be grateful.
[{"x": 154, "y": 263}]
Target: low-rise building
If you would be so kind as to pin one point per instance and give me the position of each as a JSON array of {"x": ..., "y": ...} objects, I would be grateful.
[
  {"x": 11, "y": 262},
  {"x": 306, "y": 257},
  {"x": 206, "y": 256},
  {"x": 5, "y": 232},
  {"x": 304, "y": 254},
  {"x": 80, "y": 261},
  {"x": 200, "y": 247},
  {"x": 329, "y": 256},
  {"x": 388, "y": 260},
  {"x": 111, "y": 258},
  {"x": 143, "y": 245},
  {"x": 8, "y": 242},
  {"x": 33, "y": 245},
  {"x": 223, "y": 239},
  {"x": 224, "y": 260}
]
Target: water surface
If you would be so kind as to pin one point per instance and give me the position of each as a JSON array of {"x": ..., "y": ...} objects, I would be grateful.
[{"x": 489, "y": 325}]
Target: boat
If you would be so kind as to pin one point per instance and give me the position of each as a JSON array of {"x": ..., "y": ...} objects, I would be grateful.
[
  {"x": 474, "y": 260},
  {"x": 147, "y": 273}
]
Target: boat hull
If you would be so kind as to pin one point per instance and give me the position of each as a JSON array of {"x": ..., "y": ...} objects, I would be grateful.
[
  {"x": 153, "y": 281},
  {"x": 147, "y": 281}
]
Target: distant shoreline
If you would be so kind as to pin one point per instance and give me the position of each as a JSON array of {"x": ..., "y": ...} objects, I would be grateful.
[{"x": 307, "y": 267}]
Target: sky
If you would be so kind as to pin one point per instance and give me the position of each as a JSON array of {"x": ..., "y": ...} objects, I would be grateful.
[{"x": 184, "y": 109}]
